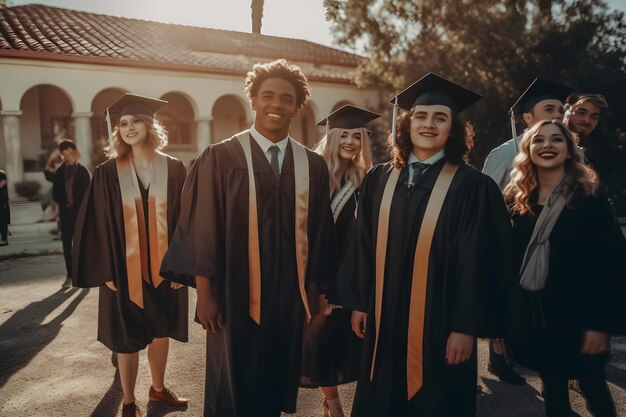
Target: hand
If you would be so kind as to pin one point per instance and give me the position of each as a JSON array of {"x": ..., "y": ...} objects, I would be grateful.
[
  {"x": 359, "y": 322},
  {"x": 459, "y": 348},
  {"x": 111, "y": 285},
  {"x": 208, "y": 308},
  {"x": 594, "y": 343},
  {"x": 175, "y": 285}
]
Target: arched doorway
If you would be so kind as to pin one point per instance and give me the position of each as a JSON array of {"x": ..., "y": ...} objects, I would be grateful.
[
  {"x": 229, "y": 117},
  {"x": 178, "y": 117},
  {"x": 340, "y": 104},
  {"x": 303, "y": 127},
  {"x": 46, "y": 119}
]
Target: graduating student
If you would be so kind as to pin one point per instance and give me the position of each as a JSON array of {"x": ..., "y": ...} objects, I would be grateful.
[
  {"x": 122, "y": 232},
  {"x": 570, "y": 256},
  {"x": 256, "y": 238},
  {"x": 69, "y": 185},
  {"x": 332, "y": 352},
  {"x": 542, "y": 100},
  {"x": 585, "y": 115},
  {"x": 5, "y": 211},
  {"x": 431, "y": 232}
]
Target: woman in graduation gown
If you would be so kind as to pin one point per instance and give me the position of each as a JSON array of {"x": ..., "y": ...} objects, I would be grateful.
[
  {"x": 125, "y": 223},
  {"x": 420, "y": 306},
  {"x": 331, "y": 351},
  {"x": 570, "y": 253}
]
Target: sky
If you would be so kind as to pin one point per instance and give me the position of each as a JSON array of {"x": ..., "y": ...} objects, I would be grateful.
[{"x": 300, "y": 19}]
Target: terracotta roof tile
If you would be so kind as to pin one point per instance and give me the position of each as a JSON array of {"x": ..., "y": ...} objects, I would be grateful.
[{"x": 61, "y": 32}]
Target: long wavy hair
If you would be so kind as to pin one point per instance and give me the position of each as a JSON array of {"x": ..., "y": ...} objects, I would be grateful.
[
  {"x": 457, "y": 149},
  {"x": 580, "y": 180},
  {"x": 156, "y": 138},
  {"x": 328, "y": 147}
]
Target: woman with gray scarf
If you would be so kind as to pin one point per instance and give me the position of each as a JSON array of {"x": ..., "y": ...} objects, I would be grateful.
[{"x": 570, "y": 253}]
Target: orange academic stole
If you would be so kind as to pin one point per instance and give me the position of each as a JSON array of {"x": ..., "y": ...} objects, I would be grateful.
[
  {"x": 136, "y": 238},
  {"x": 417, "y": 304},
  {"x": 301, "y": 170}
]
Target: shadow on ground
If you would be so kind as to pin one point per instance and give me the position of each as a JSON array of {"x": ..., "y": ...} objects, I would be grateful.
[{"x": 23, "y": 335}]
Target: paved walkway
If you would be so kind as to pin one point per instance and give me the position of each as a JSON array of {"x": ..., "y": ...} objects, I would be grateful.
[
  {"x": 31, "y": 239},
  {"x": 52, "y": 365}
]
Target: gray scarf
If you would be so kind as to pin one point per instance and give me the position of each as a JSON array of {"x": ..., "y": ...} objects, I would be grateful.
[{"x": 536, "y": 265}]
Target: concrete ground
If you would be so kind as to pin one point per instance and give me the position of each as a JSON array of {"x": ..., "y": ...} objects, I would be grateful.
[{"x": 51, "y": 364}]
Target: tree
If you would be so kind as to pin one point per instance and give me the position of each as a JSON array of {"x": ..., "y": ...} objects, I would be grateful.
[{"x": 496, "y": 47}]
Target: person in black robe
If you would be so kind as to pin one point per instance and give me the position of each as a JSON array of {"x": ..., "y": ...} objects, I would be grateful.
[
  {"x": 332, "y": 352},
  {"x": 127, "y": 218},
  {"x": 467, "y": 284},
  {"x": 571, "y": 312},
  {"x": 69, "y": 184},
  {"x": 5, "y": 211},
  {"x": 253, "y": 357}
]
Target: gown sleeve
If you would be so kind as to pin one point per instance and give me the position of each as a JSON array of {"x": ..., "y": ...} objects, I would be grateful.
[
  {"x": 323, "y": 251},
  {"x": 485, "y": 295},
  {"x": 93, "y": 248},
  {"x": 197, "y": 245},
  {"x": 604, "y": 309},
  {"x": 364, "y": 270}
]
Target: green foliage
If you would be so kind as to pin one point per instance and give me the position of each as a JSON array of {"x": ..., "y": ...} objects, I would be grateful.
[
  {"x": 496, "y": 47},
  {"x": 28, "y": 189}
]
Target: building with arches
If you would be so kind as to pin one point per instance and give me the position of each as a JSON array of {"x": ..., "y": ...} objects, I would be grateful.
[{"x": 60, "y": 68}]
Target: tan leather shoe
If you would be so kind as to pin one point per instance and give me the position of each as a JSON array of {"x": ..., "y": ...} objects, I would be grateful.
[
  {"x": 167, "y": 396},
  {"x": 131, "y": 410}
]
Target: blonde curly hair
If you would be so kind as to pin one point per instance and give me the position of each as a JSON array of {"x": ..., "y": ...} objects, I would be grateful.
[
  {"x": 157, "y": 138},
  {"x": 580, "y": 180}
]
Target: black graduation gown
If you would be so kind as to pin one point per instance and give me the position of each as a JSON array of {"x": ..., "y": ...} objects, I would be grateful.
[
  {"x": 331, "y": 350},
  {"x": 99, "y": 255},
  {"x": 468, "y": 287},
  {"x": 5, "y": 211},
  {"x": 584, "y": 289},
  {"x": 252, "y": 370}
]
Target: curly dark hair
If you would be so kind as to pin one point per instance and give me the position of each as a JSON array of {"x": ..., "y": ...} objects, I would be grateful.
[
  {"x": 279, "y": 69},
  {"x": 457, "y": 148}
]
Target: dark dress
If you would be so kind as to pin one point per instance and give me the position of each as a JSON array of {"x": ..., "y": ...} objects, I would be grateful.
[
  {"x": 584, "y": 291},
  {"x": 469, "y": 287},
  {"x": 5, "y": 211},
  {"x": 99, "y": 256},
  {"x": 252, "y": 370},
  {"x": 68, "y": 205},
  {"x": 331, "y": 351}
]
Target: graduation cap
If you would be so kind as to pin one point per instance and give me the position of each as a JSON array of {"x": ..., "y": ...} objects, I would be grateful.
[
  {"x": 431, "y": 90},
  {"x": 132, "y": 104},
  {"x": 537, "y": 91},
  {"x": 348, "y": 117}
]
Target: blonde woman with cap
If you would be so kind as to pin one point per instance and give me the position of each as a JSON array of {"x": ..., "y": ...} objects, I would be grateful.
[
  {"x": 331, "y": 351},
  {"x": 125, "y": 223}
]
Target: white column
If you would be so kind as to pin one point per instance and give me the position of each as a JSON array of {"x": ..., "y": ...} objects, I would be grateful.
[
  {"x": 13, "y": 144},
  {"x": 203, "y": 136},
  {"x": 82, "y": 131}
]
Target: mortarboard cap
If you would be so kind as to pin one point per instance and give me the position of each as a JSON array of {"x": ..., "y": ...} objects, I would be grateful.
[
  {"x": 134, "y": 104},
  {"x": 537, "y": 91},
  {"x": 432, "y": 89},
  {"x": 348, "y": 117}
]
